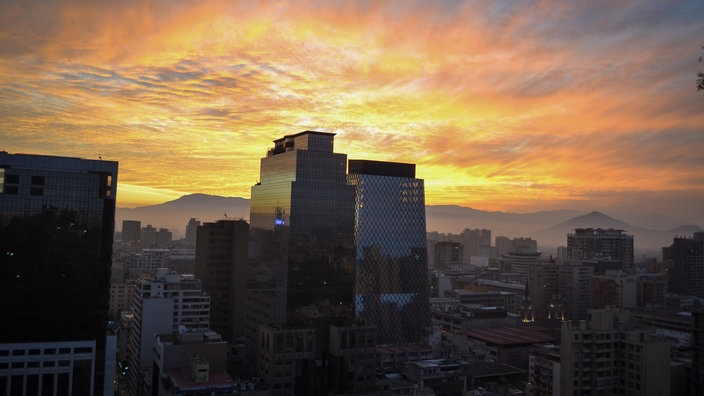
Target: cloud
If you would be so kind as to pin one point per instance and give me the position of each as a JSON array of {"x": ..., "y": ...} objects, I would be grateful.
[{"x": 497, "y": 102}]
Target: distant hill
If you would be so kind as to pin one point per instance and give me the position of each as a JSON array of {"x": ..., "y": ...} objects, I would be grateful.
[
  {"x": 175, "y": 214},
  {"x": 549, "y": 228},
  {"x": 642, "y": 237},
  {"x": 454, "y": 219}
]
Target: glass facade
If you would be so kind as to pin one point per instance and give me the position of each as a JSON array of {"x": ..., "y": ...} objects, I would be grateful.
[
  {"x": 391, "y": 285},
  {"x": 302, "y": 219},
  {"x": 56, "y": 230}
]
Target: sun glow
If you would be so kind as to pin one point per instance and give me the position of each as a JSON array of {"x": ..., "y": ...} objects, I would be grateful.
[{"x": 508, "y": 107}]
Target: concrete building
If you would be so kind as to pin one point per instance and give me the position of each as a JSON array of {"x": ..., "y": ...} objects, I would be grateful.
[
  {"x": 627, "y": 290},
  {"x": 353, "y": 359},
  {"x": 542, "y": 285},
  {"x": 148, "y": 236},
  {"x": 48, "y": 368},
  {"x": 170, "y": 303},
  {"x": 191, "y": 232},
  {"x": 143, "y": 264},
  {"x": 57, "y": 224},
  {"x": 697, "y": 375},
  {"x": 475, "y": 242},
  {"x": 448, "y": 254},
  {"x": 575, "y": 289},
  {"x": 509, "y": 345},
  {"x": 518, "y": 262},
  {"x": 192, "y": 363},
  {"x": 544, "y": 371},
  {"x": 505, "y": 245},
  {"x": 444, "y": 377},
  {"x": 120, "y": 298},
  {"x": 608, "y": 355},
  {"x": 287, "y": 359},
  {"x": 222, "y": 266}
]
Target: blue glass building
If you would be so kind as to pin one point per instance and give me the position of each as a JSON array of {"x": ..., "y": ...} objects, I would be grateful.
[{"x": 391, "y": 282}]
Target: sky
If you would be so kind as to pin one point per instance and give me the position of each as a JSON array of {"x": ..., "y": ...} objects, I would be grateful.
[{"x": 512, "y": 106}]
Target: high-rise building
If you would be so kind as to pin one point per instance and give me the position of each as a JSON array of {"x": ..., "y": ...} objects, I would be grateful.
[
  {"x": 302, "y": 217},
  {"x": 473, "y": 240},
  {"x": 574, "y": 286},
  {"x": 148, "y": 236},
  {"x": 302, "y": 232},
  {"x": 57, "y": 221},
  {"x": 191, "y": 231},
  {"x": 131, "y": 230},
  {"x": 613, "y": 247},
  {"x": 505, "y": 245},
  {"x": 686, "y": 258},
  {"x": 448, "y": 254},
  {"x": 391, "y": 288},
  {"x": 518, "y": 262},
  {"x": 221, "y": 264},
  {"x": 542, "y": 284}
]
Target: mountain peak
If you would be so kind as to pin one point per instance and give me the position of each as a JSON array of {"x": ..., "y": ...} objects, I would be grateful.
[{"x": 594, "y": 219}]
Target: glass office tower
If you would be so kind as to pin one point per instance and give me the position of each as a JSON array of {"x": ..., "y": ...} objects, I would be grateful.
[
  {"x": 302, "y": 218},
  {"x": 391, "y": 287},
  {"x": 57, "y": 220}
]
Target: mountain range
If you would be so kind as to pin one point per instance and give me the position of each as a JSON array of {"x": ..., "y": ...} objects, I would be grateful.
[{"x": 549, "y": 228}]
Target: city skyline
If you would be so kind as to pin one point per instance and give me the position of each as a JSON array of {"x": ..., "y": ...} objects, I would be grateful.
[{"x": 502, "y": 105}]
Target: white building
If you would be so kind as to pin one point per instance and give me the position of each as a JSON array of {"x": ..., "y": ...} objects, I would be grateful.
[{"x": 169, "y": 303}]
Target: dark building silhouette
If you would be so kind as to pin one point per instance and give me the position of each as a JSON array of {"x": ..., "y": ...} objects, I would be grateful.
[
  {"x": 57, "y": 221},
  {"x": 602, "y": 248},
  {"x": 221, "y": 265},
  {"x": 391, "y": 290},
  {"x": 302, "y": 231},
  {"x": 686, "y": 258},
  {"x": 131, "y": 230}
]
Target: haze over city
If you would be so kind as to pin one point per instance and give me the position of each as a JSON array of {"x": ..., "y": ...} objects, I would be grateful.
[{"x": 511, "y": 106}]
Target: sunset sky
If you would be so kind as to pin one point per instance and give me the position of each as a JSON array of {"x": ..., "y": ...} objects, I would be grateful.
[{"x": 503, "y": 105}]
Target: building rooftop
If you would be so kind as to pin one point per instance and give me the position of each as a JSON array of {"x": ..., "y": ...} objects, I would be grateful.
[
  {"x": 403, "y": 348},
  {"x": 182, "y": 378},
  {"x": 513, "y": 336}
]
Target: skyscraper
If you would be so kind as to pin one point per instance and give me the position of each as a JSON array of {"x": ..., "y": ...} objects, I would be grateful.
[
  {"x": 302, "y": 231},
  {"x": 302, "y": 217},
  {"x": 131, "y": 230},
  {"x": 603, "y": 248},
  {"x": 221, "y": 264},
  {"x": 686, "y": 257},
  {"x": 57, "y": 220},
  {"x": 391, "y": 288}
]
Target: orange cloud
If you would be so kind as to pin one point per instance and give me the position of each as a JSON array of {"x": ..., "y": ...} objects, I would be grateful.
[{"x": 503, "y": 105}]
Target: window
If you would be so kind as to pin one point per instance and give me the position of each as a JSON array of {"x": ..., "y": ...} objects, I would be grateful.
[
  {"x": 37, "y": 180},
  {"x": 36, "y": 191},
  {"x": 12, "y": 179}
]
